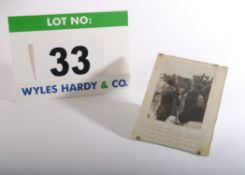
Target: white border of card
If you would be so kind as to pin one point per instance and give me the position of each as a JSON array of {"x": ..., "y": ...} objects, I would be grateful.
[{"x": 190, "y": 123}]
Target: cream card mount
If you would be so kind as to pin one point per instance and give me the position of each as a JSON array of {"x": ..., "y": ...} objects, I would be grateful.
[
  {"x": 181, "y": 104},
  {"x": 65, "y": 55}
]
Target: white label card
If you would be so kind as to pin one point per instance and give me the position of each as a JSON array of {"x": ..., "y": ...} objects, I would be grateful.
[{"x": 64, "y": 55}]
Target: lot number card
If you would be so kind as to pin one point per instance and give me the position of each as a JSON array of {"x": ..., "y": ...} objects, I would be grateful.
[{"x": 67, "y": 55}]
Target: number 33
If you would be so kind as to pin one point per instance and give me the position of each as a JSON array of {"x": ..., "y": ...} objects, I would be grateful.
[{"x": 65, "y": 65}]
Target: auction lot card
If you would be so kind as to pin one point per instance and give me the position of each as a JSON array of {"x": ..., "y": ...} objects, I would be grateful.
[
  {"x": 66, "y": 55},
  {"x": 181, "y": 104}
]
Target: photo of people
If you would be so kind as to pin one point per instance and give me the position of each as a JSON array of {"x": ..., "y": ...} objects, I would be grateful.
[
  {"x": 181, "y": 104},
  {"x": 181, "y": 100}
]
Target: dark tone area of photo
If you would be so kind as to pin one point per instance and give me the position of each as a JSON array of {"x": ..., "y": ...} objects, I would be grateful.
[{"x": 180, "y": 100}]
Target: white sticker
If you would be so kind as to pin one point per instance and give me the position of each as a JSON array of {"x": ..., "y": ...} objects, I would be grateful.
[{"x": 71, "y": 59}]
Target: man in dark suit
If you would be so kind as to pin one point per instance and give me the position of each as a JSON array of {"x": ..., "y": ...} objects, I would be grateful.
[{"x": 169, "y": 100}]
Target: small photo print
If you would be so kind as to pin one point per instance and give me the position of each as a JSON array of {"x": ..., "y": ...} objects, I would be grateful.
[
  {"x": 181, "y": 104},
  {"x": 181, "y": 100}
]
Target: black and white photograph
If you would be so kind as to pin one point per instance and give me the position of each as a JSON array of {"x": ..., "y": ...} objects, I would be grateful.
[
  {"x": 181, "y": 100},
  {"x": 181, "y": 104}
]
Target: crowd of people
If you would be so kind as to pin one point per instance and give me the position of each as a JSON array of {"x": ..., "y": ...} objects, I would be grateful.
[{"x": 184, "y": 98}]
